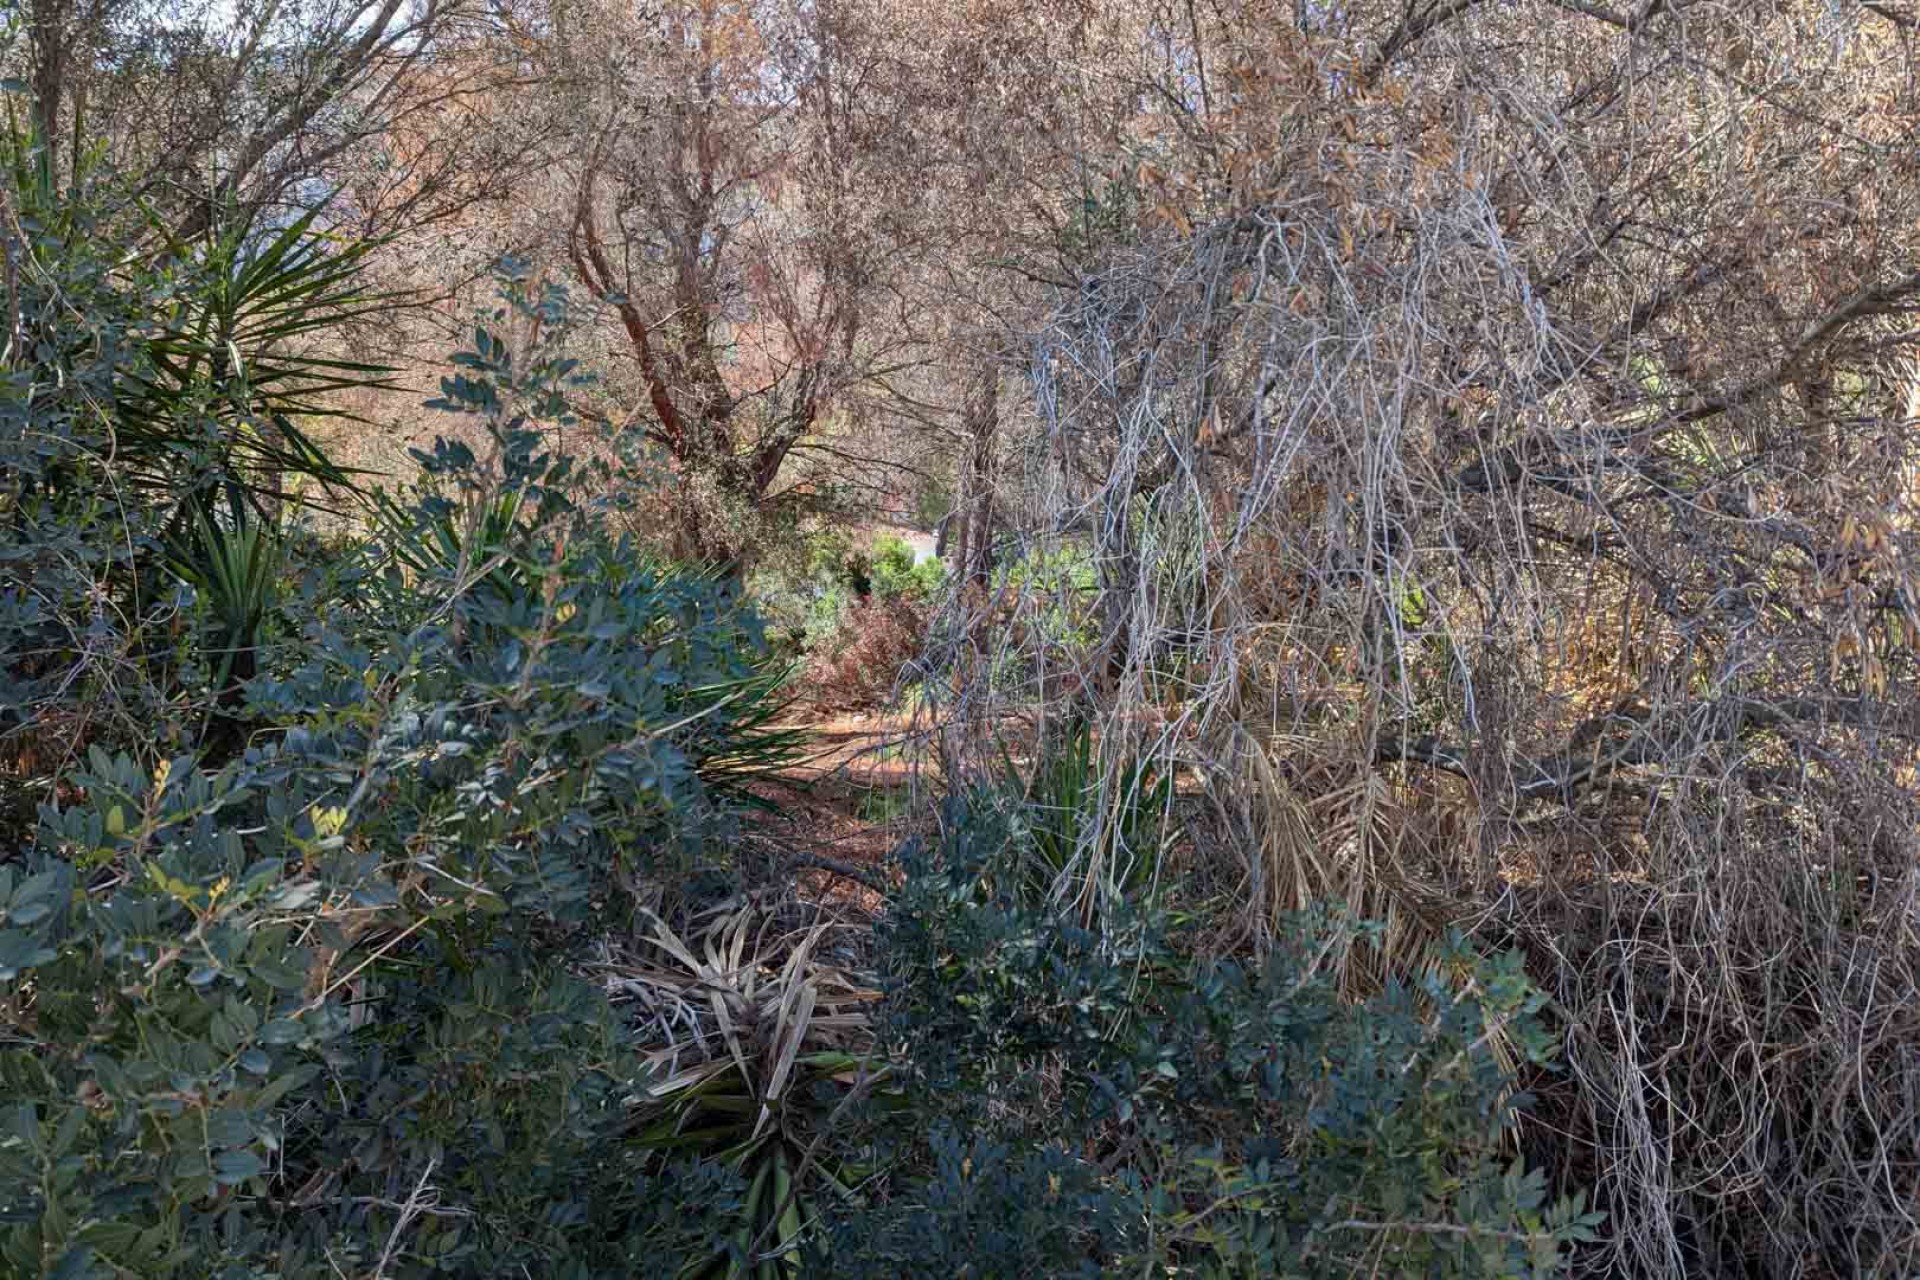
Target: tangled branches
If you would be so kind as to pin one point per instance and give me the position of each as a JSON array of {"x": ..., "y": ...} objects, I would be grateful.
[{"x": 1500, "y": 503}]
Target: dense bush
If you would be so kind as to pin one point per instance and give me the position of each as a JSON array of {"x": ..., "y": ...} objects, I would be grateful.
[
  {"x": 897, "y": 576},
  {"x": 860, "y": 664},
  {"x": 293, "y": 985},
  {"x": 151, "y": 459},
  {"x": 858, "y": 616},
  {"x": 1083, "y": 1102}
]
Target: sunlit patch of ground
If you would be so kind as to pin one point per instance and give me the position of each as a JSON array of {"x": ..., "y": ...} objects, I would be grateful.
[{"x": 842, "y": 810}]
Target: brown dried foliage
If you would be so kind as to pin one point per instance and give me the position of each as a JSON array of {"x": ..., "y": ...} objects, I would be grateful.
[
  {"x": 859, "y": 666},
  {"x": 1495, "y": 441}
]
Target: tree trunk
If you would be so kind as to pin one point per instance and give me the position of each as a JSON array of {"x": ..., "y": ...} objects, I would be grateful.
[
  {"x": 973, "y": 558},
  {"x": 50, "y": 47}
]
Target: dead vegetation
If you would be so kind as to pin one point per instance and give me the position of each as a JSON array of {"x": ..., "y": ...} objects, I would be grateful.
[
  {"x": 1469, "y": 447},
  {"x": 1508, "y": 504}
]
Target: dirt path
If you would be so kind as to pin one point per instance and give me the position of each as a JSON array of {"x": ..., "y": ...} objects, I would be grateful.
[{"x": 848, "y": 802}]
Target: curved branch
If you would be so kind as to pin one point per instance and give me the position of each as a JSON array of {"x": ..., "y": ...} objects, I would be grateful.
[{"x": 589, "y": 257}]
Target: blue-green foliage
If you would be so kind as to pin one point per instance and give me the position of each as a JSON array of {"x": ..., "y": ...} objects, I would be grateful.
[
  {"x": 148, "y": 445},
  {"x": 255, "y": 1007},
  {"x": 81, "y": 331},
  {"x": 1057, "y": 628},
  {"x": 298, "y": 961},
  {"x": 1102, "y": 1103}
]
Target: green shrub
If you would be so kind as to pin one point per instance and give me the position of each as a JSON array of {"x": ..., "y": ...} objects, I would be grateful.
[
  {"x": 1131, "y": 1107},
  {"x": 316, "y": 902},
  {"x": 1105, "y": 832},
  {"x": 72, "y": 549},
  {"x": 804, "y": 586},
  {"x": 858, "y": 617},
  {"x": 812, "y": 595},
  {"x": 263, "y": 1051},
  {"x": 1056, "y": 629},
  {"x": 316, "y": 1006},
  {"x": 150, "y": 454},
  {"x": 896, "y": 576}
]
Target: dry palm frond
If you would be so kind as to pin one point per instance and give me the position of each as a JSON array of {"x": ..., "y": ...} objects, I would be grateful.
[
  {"x": 742, "y": 1023},
  {"x": 1325, "y": 834}
]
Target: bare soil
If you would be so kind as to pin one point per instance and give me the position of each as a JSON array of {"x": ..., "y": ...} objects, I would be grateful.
[{"x": 842, "y": 811}]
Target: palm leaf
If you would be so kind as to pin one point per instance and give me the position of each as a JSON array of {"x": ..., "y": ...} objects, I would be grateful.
[{"x": 232, "y": 365}]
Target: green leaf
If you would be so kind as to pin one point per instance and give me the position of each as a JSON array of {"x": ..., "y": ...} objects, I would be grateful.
[
  {"x": 233, "y": 1167},
  {"x": 281, "y": 1031},
  {"x": 282, "y": 1086}
]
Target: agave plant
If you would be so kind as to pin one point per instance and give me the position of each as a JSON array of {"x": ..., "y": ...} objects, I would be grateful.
[{"x": 753, "y": 1036}]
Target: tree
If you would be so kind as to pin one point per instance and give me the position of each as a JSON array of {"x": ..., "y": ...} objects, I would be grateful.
[
  {"x": 716, "y": 213},
  {"x": 222, "y": 111},
  {"x": 1493, "y": 426}
]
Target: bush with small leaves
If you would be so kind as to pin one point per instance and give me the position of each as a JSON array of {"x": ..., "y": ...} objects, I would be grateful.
[
  {"x": 1137, "y": 1107},
  {"x": 898, "y": 574},
  {"x": 315, "y": 911}
]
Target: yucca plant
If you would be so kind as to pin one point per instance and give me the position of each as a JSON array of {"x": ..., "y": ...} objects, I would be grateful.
[
  {"x": 233, "y": 364},
  {"x": 235, "y": 570},
  {"x": 753, "y": 1035},
  {"x": 757, "y": 742},
  {"x": 461, "y": 544},
  {"x": 1089, "y": 818}
]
